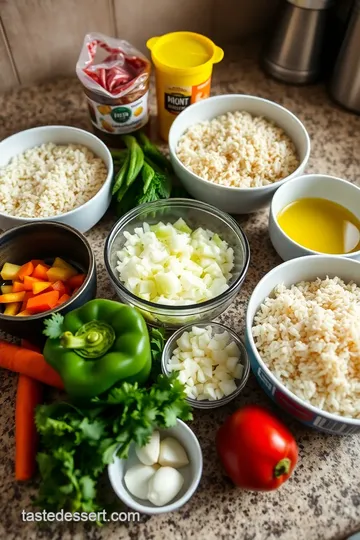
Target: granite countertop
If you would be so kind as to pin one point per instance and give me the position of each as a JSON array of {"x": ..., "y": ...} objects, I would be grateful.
[{"x": 322, "y": 500}]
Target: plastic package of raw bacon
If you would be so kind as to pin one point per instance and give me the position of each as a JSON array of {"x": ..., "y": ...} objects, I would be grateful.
[{"x": 115, "y": 77}]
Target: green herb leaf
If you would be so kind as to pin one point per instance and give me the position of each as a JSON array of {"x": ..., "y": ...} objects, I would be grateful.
[
  {"x": 54, "y": 326},
  {"x": 78, "y": 444},
  {"x": 92, "y": 430},
  {"x": 157, "y": 343}
]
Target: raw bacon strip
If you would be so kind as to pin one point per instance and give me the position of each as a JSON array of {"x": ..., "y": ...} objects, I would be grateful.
[{"x": 116, "y": 71}]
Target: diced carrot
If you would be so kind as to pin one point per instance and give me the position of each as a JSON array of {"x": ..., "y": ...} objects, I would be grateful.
[
  {"x": 59, "y": 286},
  {"x": 40, "y": 271},
  {"x": 26, "y": 270},
  {"x": 60, "y": 263},
  {"x": 5, "y": 289},
  {"x": 59, "y": 274},
  {"x": 76, "y": 281},
  {"x": 28, "y": 294},
  {"x": 42, "y": 302},
  {"x": 18, "y": 286},
  {"x": 9, "y": 271},
  {"x": 12, "y": 297},
  {"x": 40, "y": 286},
  {"x": 24, "y": 313},
  {"x": 12, "y": 309},
  {"x": 29, "y": 282},
  {"x": 64, "y": 298},
  {"x": 37, "y": 261}
]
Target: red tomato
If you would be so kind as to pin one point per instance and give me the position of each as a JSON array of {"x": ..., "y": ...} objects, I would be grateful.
[{"x": 256, "y": 449}]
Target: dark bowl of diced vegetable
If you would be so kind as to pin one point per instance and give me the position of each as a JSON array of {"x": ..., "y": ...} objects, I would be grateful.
[{"x": 45, "y": 267}]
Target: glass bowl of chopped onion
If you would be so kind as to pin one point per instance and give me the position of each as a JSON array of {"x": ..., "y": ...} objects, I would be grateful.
[
  {"x": 210, "y": 360},
  {"x": 178, "y": 261}
]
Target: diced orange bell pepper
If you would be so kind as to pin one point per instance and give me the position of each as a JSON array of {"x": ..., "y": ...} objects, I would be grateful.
[
  {"x": 28, "y": 295},
  {"x": 18, "y": 286},
  {"x": 9, "y": 271},
  {"x": 40, "y": 286},
  {"x": 24, "y": 313},
  {"x": 29, "y": 282},
  {"x": 12, "y": 309},
  {"x": 12, "y": 297},
  {"x": 59, "y": 286},
  {"x": 26, "y": 270},
  {"x": 42, "y": 302},
  {"x": 40, "y": 271},
  {"x": 76, "y": 281},
  {"x": 64, "y": 298},
  {"x": 5, "y": 289},
  {"x": 59, "y": 274},
  {"x": 60, "y": 263}
]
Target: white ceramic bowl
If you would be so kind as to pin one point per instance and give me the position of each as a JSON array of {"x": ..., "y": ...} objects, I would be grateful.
[
  {"x": 311, "y": 185},
  {"x": 307, "y": 268},
  {"x": 84, "y": 217},
  {"x": 232, "y": 199},
  {"x": 192, "y": 472}
]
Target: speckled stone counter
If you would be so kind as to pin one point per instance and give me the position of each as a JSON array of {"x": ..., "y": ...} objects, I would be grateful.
[{"x": 322, "y": 500}]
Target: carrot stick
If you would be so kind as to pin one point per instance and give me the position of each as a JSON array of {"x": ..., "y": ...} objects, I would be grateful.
[
  {"x": 28, "y": 363},
  {"x": 28, "y": 396}
]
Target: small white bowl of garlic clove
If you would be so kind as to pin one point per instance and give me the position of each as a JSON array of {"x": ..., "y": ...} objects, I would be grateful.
[{"x": 161, "y": 476}]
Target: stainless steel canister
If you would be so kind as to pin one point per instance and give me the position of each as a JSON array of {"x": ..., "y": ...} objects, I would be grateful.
[
  {"x": 294, "y": 51},
  {"x": 345, "y": 81}
]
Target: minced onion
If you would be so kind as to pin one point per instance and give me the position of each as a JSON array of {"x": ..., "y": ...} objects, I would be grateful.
[
  {"x": 206, "y": 363},
  {"x": 173, "y": 265}
]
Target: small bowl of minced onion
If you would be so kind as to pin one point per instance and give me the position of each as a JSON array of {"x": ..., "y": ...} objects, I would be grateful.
[
  {"x": 178, "y": 261},
  {"x": 210, "y": 360}
]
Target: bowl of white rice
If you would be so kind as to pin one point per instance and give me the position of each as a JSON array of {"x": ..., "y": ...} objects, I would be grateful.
[
  {"x": 57, "y": 173},
  {"x": 234, "y": 151},
  {"x": 303, "y": 340}
]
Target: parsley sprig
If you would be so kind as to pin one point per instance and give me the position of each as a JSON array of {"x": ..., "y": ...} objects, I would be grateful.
[{"x": 79, "y": 442}]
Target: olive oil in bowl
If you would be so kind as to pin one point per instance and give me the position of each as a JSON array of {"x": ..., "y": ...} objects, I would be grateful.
[{"x": 321, "y": 225}]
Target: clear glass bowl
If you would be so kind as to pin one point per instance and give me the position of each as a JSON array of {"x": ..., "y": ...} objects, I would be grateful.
[
  {"x": 217, "y": 329},
  {"x": 196, "y": 214}
]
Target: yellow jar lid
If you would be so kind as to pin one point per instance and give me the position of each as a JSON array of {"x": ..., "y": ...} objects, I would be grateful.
[{"x": 184, "y": 51}]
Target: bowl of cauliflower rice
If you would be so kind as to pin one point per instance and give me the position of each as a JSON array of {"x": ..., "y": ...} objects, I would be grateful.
[
  {"x": 57, "y": 173},
  {"x": 303, "y": 340},
  {"x": 234, "y": 151}
]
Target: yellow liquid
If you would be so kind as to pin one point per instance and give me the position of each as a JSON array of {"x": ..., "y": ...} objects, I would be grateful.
[{"x": 321, "y": 225}]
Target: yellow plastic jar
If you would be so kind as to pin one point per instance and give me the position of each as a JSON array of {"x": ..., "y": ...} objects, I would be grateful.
[{"x": 183, "y": 67}]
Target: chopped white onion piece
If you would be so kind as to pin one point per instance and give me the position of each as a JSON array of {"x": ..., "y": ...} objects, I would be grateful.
[
  {"x": 207, "y": 364},
  {"x": 173, "y": 265}
]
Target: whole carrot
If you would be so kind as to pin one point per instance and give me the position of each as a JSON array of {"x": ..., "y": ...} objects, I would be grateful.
[
  {"x": 27, "y": 345},
  {"x": 29, "y": 395},
  {"x": 28, "y": 362}
]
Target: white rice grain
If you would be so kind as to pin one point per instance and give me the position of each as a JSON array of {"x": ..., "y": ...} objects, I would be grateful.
[
  {"x": 309, "y": 337},
  {"x": 239, "y": 150},
  {"x": 49, "y": 180}
]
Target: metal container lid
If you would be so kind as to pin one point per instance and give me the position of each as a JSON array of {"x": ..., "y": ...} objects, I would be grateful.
[{"x": 312, "y": 4}]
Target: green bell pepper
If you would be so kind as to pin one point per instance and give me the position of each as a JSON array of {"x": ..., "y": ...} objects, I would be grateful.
[{"x": 97, "y": 346}]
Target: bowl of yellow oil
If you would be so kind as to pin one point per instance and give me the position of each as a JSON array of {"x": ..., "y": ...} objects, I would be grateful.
[{"x": 316, "y": 214}]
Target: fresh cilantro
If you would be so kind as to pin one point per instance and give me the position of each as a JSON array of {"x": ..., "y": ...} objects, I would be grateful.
[
  {"x": 77, "y": 443},
  {"x": 157, "y": 342},
  {"x": 54, "y": 326}
]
